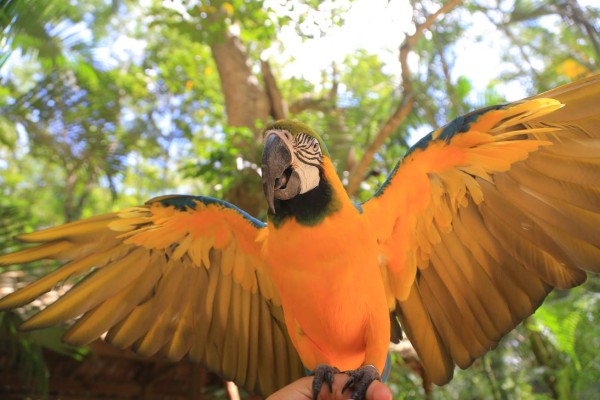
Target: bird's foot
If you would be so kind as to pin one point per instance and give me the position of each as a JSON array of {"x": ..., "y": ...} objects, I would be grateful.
[
  {"x": 323, "y": 374},
  {"x": 360, "y": 379}
]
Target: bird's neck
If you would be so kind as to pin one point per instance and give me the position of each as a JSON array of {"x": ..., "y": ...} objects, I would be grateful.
[{"x": 312, "y": 207}]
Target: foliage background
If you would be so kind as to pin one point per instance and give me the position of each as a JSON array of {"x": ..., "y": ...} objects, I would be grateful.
[{"x": 105, "y": 104}]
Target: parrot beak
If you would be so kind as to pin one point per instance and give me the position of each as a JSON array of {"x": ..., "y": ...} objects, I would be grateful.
[{"x": 279, "y": 179}]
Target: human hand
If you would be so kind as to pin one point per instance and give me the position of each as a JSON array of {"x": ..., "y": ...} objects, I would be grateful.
[{"x": 302, "y": 390}]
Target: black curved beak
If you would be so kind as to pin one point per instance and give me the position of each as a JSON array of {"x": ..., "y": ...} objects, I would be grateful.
[{"x": 276, "y": 166}]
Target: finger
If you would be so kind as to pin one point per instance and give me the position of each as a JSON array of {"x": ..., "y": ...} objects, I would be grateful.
[
  {"x": 300, "y": 389},
  {"x": 379, "y": 391}
]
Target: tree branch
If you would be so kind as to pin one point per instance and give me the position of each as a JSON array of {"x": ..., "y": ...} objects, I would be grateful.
[
  {"x": 310, "y": 103},
  {"x": 406, "y": 103},
  {"x": 278, "y": 105},
  {"x": 588, "y": 28},
  {"x": 450, "y": 88},
  {"x": 325, "y": 103},
  {"x": 420, "y": 28}
]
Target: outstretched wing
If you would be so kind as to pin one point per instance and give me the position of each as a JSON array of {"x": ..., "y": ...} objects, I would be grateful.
[
  {"x": 180, "y": 275},
  {"x": 483, "y": 217}
]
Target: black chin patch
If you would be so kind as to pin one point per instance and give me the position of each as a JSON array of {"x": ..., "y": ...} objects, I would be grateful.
[{"x": 307, "y": 208}]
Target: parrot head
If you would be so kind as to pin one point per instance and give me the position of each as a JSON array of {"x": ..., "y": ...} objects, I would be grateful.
[{"x": 292, "y": 163}]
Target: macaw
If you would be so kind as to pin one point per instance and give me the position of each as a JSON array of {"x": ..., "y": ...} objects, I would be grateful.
[{"x": 472, "y": 229}]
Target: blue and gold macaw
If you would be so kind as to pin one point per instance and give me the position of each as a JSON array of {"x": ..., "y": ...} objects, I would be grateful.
[{"x": 469, "y": 233}]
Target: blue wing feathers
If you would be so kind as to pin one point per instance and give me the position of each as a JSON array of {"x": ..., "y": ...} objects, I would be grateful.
[
  {"x": 458, "y": 125},
  {"x": 184, "y": 202}
]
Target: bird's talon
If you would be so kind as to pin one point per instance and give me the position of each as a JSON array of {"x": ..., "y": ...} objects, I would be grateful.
[
  {"x": 348, "y": 383},
  {"x": 323, "y": 374},
  {"x": 360, "y": 379}
]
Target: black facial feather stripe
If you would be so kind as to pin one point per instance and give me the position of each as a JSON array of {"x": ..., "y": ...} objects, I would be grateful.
[
  {"x": 308, "y": 149},
  {"x": 309, "y": 161}
]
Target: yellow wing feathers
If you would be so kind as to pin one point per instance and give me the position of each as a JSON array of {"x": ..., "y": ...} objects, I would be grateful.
[
  {"x": 161, "y": 278},
  {"x": 481, "y": 221},
  {"x": 430, "y": 185}
]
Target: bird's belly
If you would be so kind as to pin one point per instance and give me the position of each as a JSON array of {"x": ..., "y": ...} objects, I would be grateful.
[
  {"x": 329, "y": 291},
  {"x": 328, "y": 326}
]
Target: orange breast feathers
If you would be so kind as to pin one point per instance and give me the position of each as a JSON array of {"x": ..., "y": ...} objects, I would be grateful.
[{"x": 331, "y": 289}]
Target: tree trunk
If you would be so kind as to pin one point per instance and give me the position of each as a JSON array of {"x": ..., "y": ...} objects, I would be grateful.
[{"x": 245, "y": 99}]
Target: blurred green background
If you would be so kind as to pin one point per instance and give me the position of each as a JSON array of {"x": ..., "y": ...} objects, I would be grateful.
[{"x": 107, "y": 103}]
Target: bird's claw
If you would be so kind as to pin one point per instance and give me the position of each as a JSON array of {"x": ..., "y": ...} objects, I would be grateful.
[
  {"x": 360, "y": 379},
  {"x": 323, "y": 374}
]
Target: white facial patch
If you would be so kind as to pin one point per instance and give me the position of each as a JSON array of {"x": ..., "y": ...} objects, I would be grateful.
[
  {"x": 305, "y": 159},
  {"x": 309, "y": 176},
  {"x": 306, "y": 156}
]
